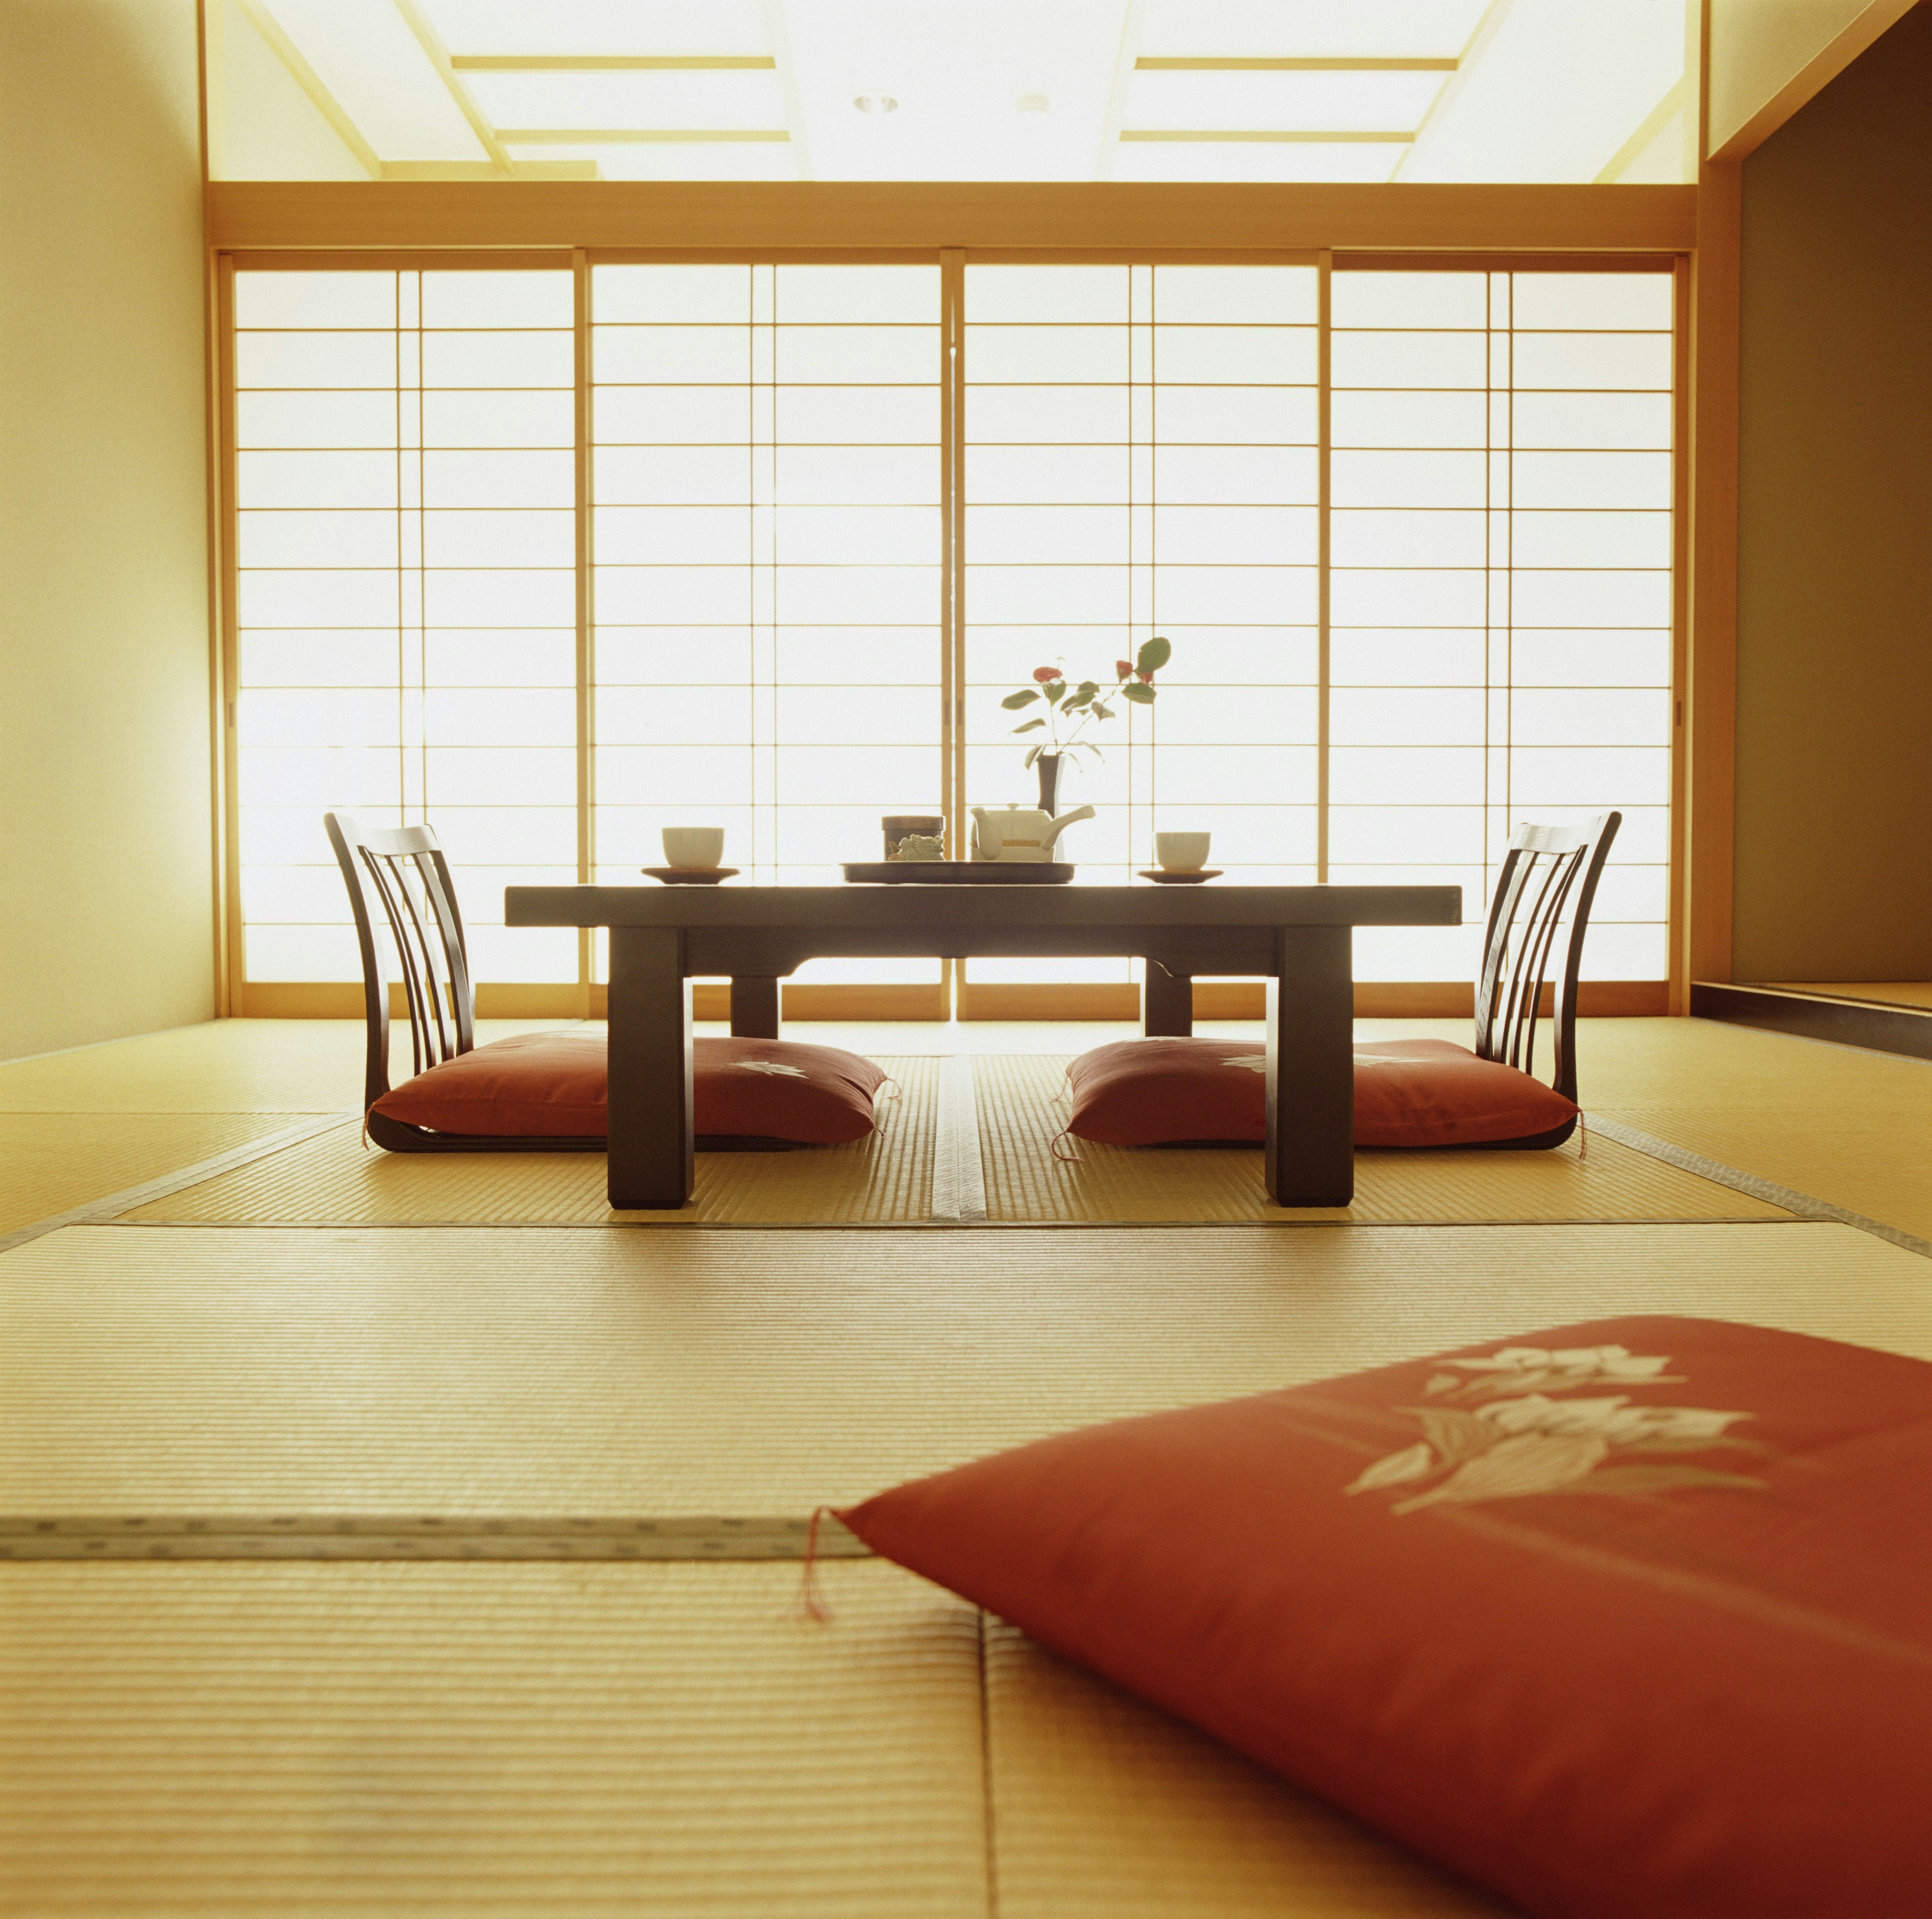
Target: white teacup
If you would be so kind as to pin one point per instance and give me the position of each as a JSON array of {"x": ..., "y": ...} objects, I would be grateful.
[
  {"x": 695, "y": 846},
  {"x": 1181, "y": 853}
]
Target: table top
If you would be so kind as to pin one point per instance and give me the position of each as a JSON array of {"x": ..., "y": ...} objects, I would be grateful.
[{"x": 908, "y": 908}]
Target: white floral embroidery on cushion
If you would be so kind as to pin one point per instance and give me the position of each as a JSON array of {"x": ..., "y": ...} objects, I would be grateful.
[
  {"x": 1522, "y": 1441},
  {"x": 1254, "y": 1062},
  {"x": 769, "y": 1067}
]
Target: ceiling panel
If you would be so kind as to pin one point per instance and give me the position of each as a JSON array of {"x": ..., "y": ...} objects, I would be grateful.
[
  {"x": 1557, "y": 91},
  {"x": 1292, "y": 102},
  {"x": 363, "y": 51},
  {"x": 680, "y": 98},
  {"x": 1312, "y": 29},
  {"x": 560, "y": 27},
  {"x": 958, "y": 70}
]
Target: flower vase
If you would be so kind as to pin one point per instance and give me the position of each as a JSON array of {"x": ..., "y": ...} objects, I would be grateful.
[{"x": 1048, "y": 764}]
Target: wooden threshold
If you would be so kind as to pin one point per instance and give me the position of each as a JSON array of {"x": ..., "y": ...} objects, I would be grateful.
[{"x": 1905, "y": 1031}]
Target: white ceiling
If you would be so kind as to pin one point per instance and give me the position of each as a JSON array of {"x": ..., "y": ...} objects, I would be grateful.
[{"x": 1211, "y": 90}]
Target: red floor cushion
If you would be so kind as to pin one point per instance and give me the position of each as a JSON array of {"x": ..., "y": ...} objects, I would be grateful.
[
  {"x": 553, "y": 1085},
  {"x": 1408, "y": 1093},
  {"x": 1629, "y": 1620}
]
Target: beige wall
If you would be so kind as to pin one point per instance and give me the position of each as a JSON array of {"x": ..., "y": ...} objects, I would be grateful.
[
  {"x": 106, "y": 902},
  {"x": 1835, "y": 640}
]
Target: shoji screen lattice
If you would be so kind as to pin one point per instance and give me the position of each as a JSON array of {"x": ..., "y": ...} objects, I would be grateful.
[
  {"x": 1141, "y": 458},
  {"x": 1501, "y": 548},
  {"x": 766, "y": 590},
  {"x": 405, "y": 598},
  {"x": 765, "y": 645}
]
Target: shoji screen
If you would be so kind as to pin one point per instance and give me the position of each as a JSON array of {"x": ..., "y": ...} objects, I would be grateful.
[
  {"x": 405, "y": 601},
  {"x": 767, "y": 541},
  {"x": 1500, "y": 540},
  {"x": 1140, "y": 458}
]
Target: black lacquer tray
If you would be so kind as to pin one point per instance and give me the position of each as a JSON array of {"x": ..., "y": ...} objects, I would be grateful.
[{"x": 957, "y": 872}]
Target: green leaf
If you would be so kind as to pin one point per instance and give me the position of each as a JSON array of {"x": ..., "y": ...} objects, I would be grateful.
[
  {"x": 1025, "y": 697},
  {"x": 1056, "y": 691},
  {"x": 1153, "y": 656},
  {"x": 1031, "y": 726},
  {"x": 1141, "y": 696},
  {"x": 1033, "y": 754},
  {"x": 1090, "y": 687},
  {"x": 1084, "y": 697},
  {"x": 1102, "y": 711}
]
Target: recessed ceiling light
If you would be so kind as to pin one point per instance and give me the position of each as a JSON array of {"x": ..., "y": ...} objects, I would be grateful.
[
  {"x": 1033, "y": 102},
  {"x": 879, "y": 104}
]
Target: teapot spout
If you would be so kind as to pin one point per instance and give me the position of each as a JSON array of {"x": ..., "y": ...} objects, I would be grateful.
[{"x": 1067, "y": 820}]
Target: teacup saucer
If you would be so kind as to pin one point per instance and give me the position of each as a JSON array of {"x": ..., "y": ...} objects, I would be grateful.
[
  {"x": 689, "y": 876},
  {"x": 1165, "y": 876}
]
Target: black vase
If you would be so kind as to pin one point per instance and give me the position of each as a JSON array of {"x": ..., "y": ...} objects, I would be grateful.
[{"x": 1048, "y": 764}]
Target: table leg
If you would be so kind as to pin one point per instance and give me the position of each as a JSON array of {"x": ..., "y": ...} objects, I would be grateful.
[
  {"x": 1167, "y": 1003},
  {"x": 755, "y": 1008},
  {"x": 1310, "y": 1156},
  {"x": 651, "y": 1163}
]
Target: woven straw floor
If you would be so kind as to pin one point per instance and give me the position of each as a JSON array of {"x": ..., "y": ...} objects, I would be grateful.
[
  {"x": 244, "y": 1371},
  {"x": 334, "y": 1179},
  {"x": 598, "y": 1740},
  {"x": 1842, "y": 1124},
  {"x": 1025, "y": 1182},
  {"x": 51, "y": 1163},
  {"x": 359, "y": 1739}
]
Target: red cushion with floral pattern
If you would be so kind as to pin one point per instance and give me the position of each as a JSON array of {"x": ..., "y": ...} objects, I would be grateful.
[
  {"x": 1629, "y": 1620},
  {"x": 554, "y": 1086},
  {"x": 1408, "y": 1093}
]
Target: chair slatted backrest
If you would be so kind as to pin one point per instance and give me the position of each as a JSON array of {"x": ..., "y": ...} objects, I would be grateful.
[
  {"x": 1543, "y": 896},
  {"x": 399, "y": 873}
]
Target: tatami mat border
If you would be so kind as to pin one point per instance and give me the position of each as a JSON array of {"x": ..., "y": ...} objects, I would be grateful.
[
  {"x": 373, "y": 1536},
  {"x": 1803, "y": 1205},
  {"x": 103, "y": 1211}
]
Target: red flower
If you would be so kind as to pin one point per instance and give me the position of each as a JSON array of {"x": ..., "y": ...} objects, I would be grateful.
[
  {"x": 1046, "y": 675},
  {"x": 1145, "y": 679},
  {"x": 1122, "y": 668}
]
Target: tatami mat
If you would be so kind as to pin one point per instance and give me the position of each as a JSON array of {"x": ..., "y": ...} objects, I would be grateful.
[
  {"x": 1103, "y": 1808},
  {"x": 335, "y": 1179},
  {"x": 1024, "y": 1181},
  {"x": 223, "y": 1066},
  {"x": 588, "y": 1740},
  {"x": 246, "y": 1371},
  {"x": 1836, "y": 1122},
  {"x": 51, "y": 1162}
]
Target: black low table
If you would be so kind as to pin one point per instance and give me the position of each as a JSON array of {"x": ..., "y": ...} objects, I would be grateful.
[{"x": 1297, "y": 938}]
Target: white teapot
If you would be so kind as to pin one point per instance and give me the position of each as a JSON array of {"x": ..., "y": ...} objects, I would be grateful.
[{"x": 1017, "y": 833}]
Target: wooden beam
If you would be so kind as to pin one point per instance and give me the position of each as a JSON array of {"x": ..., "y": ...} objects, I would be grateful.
[
  {"x": 1710, "y": 687},
  {"x": 1212, "y": 136},
  {"x": 1244, "y": 63},
  {"x": 608, "y": 63},
  {"x": 734, "y": 217}
]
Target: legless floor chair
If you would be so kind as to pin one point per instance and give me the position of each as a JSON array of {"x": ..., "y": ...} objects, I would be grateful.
[
  {"x": 1409, "y": 1092},
  {"x": 399, "y": 883}
]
